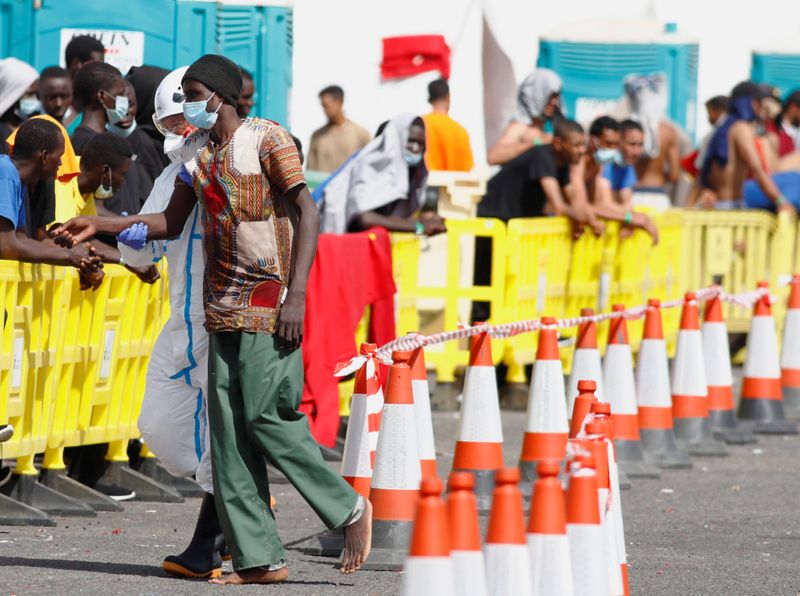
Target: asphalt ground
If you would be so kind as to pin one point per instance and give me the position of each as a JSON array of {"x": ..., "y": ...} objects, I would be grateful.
[{"x": 729, "y": 526}]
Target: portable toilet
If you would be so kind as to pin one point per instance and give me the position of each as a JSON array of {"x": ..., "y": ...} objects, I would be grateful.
[
  {"x": 256, "y": 34},
  {"x": 593, "y": 58},
  {"x": 778, "y": 65}
]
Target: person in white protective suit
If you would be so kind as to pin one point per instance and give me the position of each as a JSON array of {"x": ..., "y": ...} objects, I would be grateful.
[{"x": 173, "y": 420}]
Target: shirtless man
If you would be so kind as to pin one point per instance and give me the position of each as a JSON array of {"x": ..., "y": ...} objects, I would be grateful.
[
  {"x": 733, "y": 156},
  {"x": 538, "y": 103}
]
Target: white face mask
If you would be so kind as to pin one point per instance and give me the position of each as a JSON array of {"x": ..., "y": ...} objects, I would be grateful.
[
  {"x": 173, "y": 144},
  {"x": 103, "y": 191}
]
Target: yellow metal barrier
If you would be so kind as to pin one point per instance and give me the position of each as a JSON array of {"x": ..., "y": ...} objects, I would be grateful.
[
  {"x": 445, "y": 299},
  {"x": 539, "y": 257}
]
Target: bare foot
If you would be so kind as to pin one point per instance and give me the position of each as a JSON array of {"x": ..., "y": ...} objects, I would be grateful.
[
  {"x": 357, "y": 541},
  {"x": 256, "y": 575}
]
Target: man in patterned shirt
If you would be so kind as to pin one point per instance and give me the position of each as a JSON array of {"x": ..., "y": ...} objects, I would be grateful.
[{"x": 261, "y": 228}]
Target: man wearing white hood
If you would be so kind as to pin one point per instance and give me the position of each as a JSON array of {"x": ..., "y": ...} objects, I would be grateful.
[
  {"x": 19, "y": 82},
  {"x": 173, "y": 420},
  {"x": 383, "y": 185}
]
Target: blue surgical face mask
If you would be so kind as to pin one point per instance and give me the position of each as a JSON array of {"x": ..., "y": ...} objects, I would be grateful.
[
  {"x": 412, "y": 159},
  {"x": 120, "y": 109},
  {"x": 122, "y": 132},
  {"x": 605, "y": 155},
  {"x": 29, "y": 105},
  {"x": 196, "y": 114}
]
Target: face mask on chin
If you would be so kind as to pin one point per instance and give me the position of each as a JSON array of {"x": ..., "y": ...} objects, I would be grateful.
[
  {"x": 29, "y": 105},
  {"x": 119, "y": 131},
  {"x": 103, "y": 191}
]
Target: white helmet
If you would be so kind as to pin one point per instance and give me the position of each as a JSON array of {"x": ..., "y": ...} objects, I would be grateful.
[{"x": 168, "y": 99}]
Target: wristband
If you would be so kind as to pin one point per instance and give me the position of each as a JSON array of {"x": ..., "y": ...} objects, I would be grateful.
[
  {"x": 628, "y": 217},
  {"x": 781, "y": 200},
  {"x": 419, "y": 228}
]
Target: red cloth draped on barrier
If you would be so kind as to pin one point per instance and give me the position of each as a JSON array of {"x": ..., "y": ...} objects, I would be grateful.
[{"x": 350, "y": 272}]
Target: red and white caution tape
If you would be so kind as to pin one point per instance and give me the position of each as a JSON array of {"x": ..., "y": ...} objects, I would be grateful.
[{"x": 413, "y": 341}]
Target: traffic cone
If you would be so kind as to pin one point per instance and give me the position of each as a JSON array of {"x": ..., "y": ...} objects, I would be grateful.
[
  {"x": 479, "y": 448},
  {"x": 465, "y": 536},
  {"x": 601, "y": 414},
  {"x": 790, "y": 354},
  {"x": 689, "y": 389},
  {"x": 584, "y": 532},
  {"x": 508, "y": 564},
  {"x": 362, "y": 432},
  {"x": 610, "y": 517},
  {"x": 422, "y": 408},
  {"x": 582, "y": 406},
  {"x": 762, "y": 399},
  {"x": 586, "y": 362},
  {"x": 428, "y": 567},
  {"x": 716, "y": 357},
  {"x": 551, "y": 570},
  {"x": 653, "y": 396},
  {"x": 396, "y": 477},
  {"x": 546, "y": 430},
  {"x": 621, "y": 392}
]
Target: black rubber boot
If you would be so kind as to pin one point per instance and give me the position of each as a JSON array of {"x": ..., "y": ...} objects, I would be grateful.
[{"x": 201, "y": 559}]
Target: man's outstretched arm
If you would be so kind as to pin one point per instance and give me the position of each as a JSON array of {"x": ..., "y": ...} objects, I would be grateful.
[{"x": 160, "y": 226}]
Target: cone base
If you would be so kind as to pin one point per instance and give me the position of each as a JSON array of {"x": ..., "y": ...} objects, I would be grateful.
[
  {"x": 484, "y": 485},
  {"x": 390, "y": 542},
  {"x": 768, "y": 416},
  {"x": 725, "y": 428},
  {"x": 661, "y": 449},
  {"x": 327, "y": 544},
  {"x": 630, "y": 459},
  {"x": 694, "y": 435},
  {"x": 791, "y": 401}
]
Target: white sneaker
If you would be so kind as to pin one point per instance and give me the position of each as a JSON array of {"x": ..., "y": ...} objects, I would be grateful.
[{"x": 6, "y": 432}]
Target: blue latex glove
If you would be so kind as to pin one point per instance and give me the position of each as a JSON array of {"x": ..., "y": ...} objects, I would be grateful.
[{"x": 134, "y": 236}]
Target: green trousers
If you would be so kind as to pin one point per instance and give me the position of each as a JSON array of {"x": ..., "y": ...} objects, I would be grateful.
[{"x": 254, "y": 392}]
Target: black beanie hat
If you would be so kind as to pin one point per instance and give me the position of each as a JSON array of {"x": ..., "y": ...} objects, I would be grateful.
[{"x": 219, "y": 74}]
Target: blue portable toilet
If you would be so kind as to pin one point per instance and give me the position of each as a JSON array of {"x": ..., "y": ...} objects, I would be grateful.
[
  {"x": 593, "y": 58},
  {"x": 255, "y": 34},
  {"x": 778, "y": 65}
]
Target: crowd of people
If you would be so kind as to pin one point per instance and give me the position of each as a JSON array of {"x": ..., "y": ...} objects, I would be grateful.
[{"x": 97, "y": 167}]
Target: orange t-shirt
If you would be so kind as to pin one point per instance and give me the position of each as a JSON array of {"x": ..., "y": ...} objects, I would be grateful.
[{"x": 447, "y": 144}]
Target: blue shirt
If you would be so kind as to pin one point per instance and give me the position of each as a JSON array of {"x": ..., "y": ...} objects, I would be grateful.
[
  {"x": 620, "y": 177},
  {"x": 12, "y": 194}
]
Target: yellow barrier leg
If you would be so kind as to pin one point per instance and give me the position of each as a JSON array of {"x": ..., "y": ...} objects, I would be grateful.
[
  {"x": 118, "y": 451},
  {"x": 54, "y": 459}
]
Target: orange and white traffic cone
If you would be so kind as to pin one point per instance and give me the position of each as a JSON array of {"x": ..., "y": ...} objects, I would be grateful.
[
  {"x": 551, "y": 570},
  {"x": 586, "y": 363},
  {"x": 653, "y": 395},
  {"x": 601, "y": 414},
  {"x": 546, "y": 429},
  {"x": 621, "y": 392},
  {"x": 689, "y": 389},
  {"x": 479, "y": 448},
  {"x": 465, "y": 536},
  {"x": 362, "y": 435},
  {"x": 762, "y": 398},
  {"x": 428, "y": 567},
  {"x": 584, "y": 532},
  {"x": 719, "y": 377},
  {"x": 610, "y": 515},
  {"x": 508, "y": 564},
  {"x": 422, "y": 408},
  {"x": 396, "y": 478},
  {"x": 790, "y": 354},
  {"x": 582, "y": 406}
]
